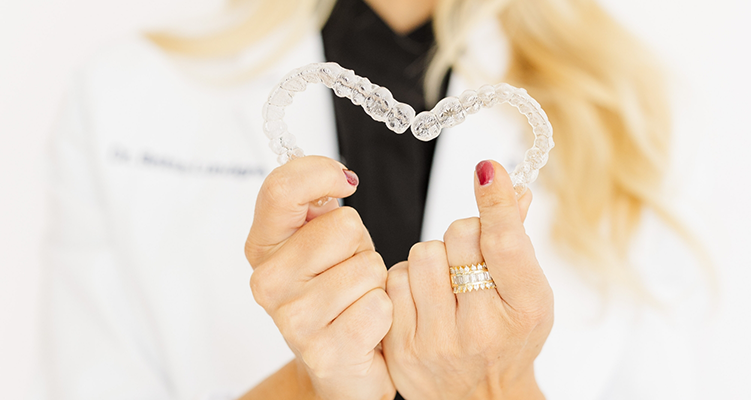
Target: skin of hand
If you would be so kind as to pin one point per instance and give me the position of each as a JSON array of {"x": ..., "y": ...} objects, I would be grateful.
[
  {"x": 480, "y": 344},
  {"x": 316, "y": 273}
]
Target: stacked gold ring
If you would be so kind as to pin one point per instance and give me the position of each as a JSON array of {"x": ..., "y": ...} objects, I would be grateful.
[{"x": 467, "y": 278}]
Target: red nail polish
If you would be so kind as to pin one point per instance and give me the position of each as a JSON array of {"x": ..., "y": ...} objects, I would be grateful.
[
  {"x": 352, "y": 178},
  {"x": 485, "y": 172}
]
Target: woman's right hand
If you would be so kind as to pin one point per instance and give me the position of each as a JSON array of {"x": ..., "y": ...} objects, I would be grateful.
[{"x": 317, "y": 274}]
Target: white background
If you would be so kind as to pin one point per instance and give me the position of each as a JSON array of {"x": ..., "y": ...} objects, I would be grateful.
[{"x": 705, "y": 45}]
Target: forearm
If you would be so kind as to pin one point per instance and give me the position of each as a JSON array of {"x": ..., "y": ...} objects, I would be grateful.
[{"x": 291, "y": 382}]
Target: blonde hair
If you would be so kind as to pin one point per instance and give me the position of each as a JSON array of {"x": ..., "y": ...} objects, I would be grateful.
[
  {"x": 606, "y": 101},
  {"x": 599, "y": 86}
]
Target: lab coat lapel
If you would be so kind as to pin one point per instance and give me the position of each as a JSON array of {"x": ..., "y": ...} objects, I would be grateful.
[
  {"x": 495, "y": 133},
  {"x": 310, "y": 117}
]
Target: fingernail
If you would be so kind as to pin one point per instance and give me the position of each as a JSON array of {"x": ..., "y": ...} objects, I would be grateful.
[
  {"x": 352, "y": 178},
  {"x": 485, "y": 172}
]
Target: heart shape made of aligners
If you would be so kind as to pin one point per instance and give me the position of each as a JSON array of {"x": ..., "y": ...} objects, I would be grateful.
[{"x": 381, "y": 106}]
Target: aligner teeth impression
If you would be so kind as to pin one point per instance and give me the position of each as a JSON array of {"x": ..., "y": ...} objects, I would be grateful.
[{"x": 378, "y": 102}]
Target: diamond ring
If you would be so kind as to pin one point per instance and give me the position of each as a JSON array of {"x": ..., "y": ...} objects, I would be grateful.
[{"x": 467, "y": 278}]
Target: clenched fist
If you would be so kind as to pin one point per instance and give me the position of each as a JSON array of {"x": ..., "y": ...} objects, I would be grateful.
[
  {"x": 317, "y": 274},
  {"x": 480, "y": 344}
]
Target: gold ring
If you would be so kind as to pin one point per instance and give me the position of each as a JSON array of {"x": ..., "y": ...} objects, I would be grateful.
[{"x": 467, "y": 278}]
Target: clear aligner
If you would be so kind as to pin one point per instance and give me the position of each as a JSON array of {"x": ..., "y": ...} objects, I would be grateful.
[
  {"x": 379, "y": 103},
  {"x": 452, "y": 111}
]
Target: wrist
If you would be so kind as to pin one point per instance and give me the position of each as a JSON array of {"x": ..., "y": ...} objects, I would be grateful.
[
  {"x": 512, "y": 386},
  {"x": 291, "y": 382},
  {"x": 304, "y": 385}
]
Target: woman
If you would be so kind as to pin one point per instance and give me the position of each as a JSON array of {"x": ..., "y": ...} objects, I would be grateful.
[{"x": 156, "y": 172}]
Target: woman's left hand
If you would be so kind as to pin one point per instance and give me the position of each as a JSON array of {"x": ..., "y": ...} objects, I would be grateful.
[{"x": 480, "y": 344}]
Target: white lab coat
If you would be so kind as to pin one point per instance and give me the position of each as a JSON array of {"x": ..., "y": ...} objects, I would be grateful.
[{"x": 154, "y": 179}]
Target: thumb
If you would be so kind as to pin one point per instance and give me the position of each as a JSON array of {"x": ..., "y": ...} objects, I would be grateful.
[
  {"x": 496, "y": 199},
  {"x": 284, "y": 200},
  {"x": 505, "y": 246}
]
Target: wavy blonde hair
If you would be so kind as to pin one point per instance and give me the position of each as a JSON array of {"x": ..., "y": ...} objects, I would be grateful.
[{"x": 604, "y": 96}]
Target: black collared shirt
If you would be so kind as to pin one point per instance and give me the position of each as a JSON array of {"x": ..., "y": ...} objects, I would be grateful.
[{"x": 393, "y": 169}]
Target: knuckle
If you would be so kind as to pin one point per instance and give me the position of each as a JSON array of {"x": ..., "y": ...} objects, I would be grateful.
[
  {"x": 537, "y": 314},
  {"x": 373, "y": 268},
  {"x": 427, "y": 251},
  {"x": 260, "y": 288},
  {"x": 276, "y": 188},
  {"x": 398, "y": 277},
  {"x": 528, "y": 319},
  {"x": 461, "y": 228},
  {"x": 318, "y": 358},
  {"x": 249, "y": 252},
  {"x": 409, "y": 355},
  {"x": 373, "y": 323},
  {"x": 505, "y": 242},
  {"x": 292, "y": 320},
  {"x": 372, "y": 258},
  {"x": 323, "y": 165},
  {"x": 253, "y": 253},
  {"x": 349, "y": 222},
  {"x": 383, "y": 306},
  {"x": 492, "y": 199}
]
